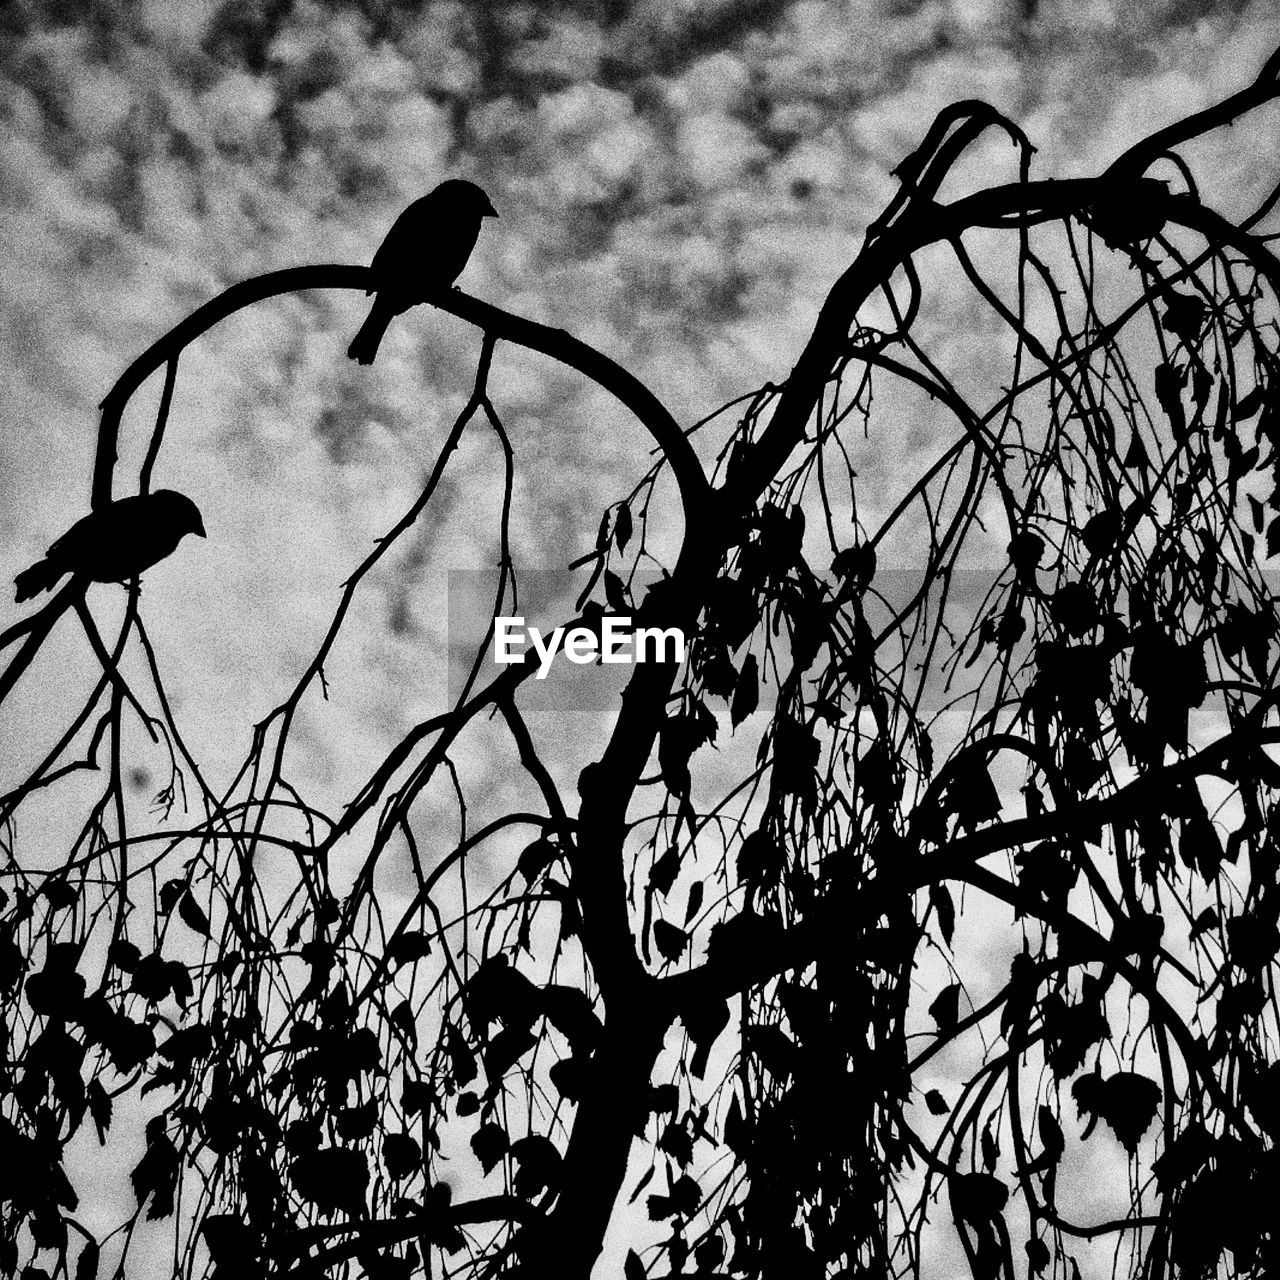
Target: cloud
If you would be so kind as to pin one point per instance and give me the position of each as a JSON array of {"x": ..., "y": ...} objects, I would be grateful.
[{"x": 679, "y": 187}]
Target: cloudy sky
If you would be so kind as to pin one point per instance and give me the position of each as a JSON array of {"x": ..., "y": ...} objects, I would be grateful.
[{"x": 679, "y": 183}]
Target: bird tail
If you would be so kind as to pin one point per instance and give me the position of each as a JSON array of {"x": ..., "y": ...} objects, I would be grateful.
[
  {"x": 42, "y": 576},
  {"x": 364, "y": 346}
]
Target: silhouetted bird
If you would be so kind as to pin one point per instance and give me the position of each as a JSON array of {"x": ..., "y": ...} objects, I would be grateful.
[
  {"x": 116, "y": 542},
  {"x": 423, "y": 253}
]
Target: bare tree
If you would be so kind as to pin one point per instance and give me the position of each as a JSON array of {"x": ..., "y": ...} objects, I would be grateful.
[{"x": 750, "y": 959}]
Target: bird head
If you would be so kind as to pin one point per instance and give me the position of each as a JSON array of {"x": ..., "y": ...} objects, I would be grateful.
[
  {"x": 466, "y": 198},
  {"x": 183, "y": 514}
]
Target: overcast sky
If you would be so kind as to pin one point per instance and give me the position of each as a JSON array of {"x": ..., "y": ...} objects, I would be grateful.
[{"x": 678, "y": 184}]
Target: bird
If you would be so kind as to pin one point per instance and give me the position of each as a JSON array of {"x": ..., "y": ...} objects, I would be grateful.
[
  {"x": 116, "y": 542},
  {"x": 422, "y": 254}
]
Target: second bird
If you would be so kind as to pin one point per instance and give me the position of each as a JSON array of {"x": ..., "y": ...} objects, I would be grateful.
[
  {"x": 424, "y": 252},
  {"x": 116, "y": 542}
]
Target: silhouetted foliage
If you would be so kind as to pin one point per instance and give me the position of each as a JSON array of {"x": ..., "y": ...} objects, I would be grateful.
[{"x": 937, "y": 892}]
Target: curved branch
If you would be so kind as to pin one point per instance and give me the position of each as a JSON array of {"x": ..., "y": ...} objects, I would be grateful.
[
  {"x": 37, "y": 628},
  {"x": 556, "y": 343},
  {"x": 377, "y": 1234},
  {"x": 1134, "y": 161},
  {"x": 958, "y": 859}
]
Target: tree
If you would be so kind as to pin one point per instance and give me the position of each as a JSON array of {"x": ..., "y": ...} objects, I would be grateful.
[{"x": 745, "y": 955}]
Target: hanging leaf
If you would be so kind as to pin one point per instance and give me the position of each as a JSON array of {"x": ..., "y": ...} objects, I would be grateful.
[
  {"x": 571, "y": 1013},
  {"x": 1046, "y": 876},
  {"x": 746, "y": 691},
  {"x": 1100, "y": 533},
  {"x": 233, "y": 1244},
  {"x": 155, "y": 1176},
  {"x": 1273, "y": 538},
  {"x": 535, "y": 858},
  {"x": 773, "y": 1049},
  {"x": 710, "y": 1254},
  {"x": 128, "y": 1044},
  {"x": 795, "y": 758},
  {"x": 670, "y": 940},
  {"x": 462, "y": 1062},
  {"x": 489, "y": 1144},
  {"x": 704, "y": 1020},
  {"x": 644, "y": 1182},
  {"x": 663, "y": 873},
  {"x": 664, "y": 1099},
  {"x": 1074, "y": 607},
  {"x": 622, "y": 527},
  {"x": 942, "y": 902},
  {"x": 57, "y": 990},
  {"x": 737, "y": 1133},
  {"x": 677, "y": 1142},
  {"x": 682, "y": 1201},
  {"x": 1249, "y": 403},
  {"x": 1136, "y": 459},
  {"x": 332, "y": 1178},
  {"x": 743, "y": 938},
  {"x": 408, "y": 947},
  {"x": 417, "y": 1097},
  {"x": 124, "y": 955},
  {"x": 732, "y": 610},
  {"x": 971, "y": 795},
  {"x": 1252, "y": 941},
  {"x": 978, "y": 1197},
  {"x": 498, "y": 992},
  {"x": 1127, "y": 1101},
  {"x": 1026, "y": 550},
  {"x": 538, "y": 1165},
  {"x": 192, "y": 915},
  {"x": 1168, "y": 383},
  {"x": 615, "y": 593},
  {"x": 761, "y": 861},
  {"x": 694, "y": 904},
  {"x": 170, "y": 894},
  {"x": 99, "y": 1102},
  {"x": 87, "y": 1262},
  {"x": 681, "y": 735},
  {"x": 990, "y": 1147},
  {"x": 945, "y": 1010},
  {"x": 855, "y": 567},
  {"x": 1072, "y": 1030},
  {"x": 713, "y": 668},
  {"x": 178, "y": 977},
  {"x": 1038, "y": 1256},
  {"x": 569, "y": 1076},
  {"x": 354, "y": 1123},
  {"x": 292, "y": 937},
  {"x": 402, "y": 1155},
  {"x": 1184, "y": 316},
  {"x": 506, "y": 1049},
  {"x": 1051, "y": 1137}
]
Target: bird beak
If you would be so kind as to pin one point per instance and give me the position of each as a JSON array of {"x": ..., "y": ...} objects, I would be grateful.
[
  {"x": 490, "y": 212},
  {"x": 199, "y": 529}
]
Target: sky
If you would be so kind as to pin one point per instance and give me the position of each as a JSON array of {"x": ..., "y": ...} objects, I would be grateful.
[{"x": 678, "y": 184}]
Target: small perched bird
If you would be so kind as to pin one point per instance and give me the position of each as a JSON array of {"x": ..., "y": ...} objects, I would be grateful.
[
  {"x": 116, "y": 542},
  {"x": 423, "y": 253}
]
